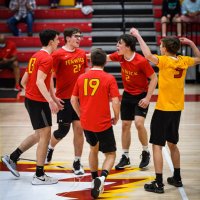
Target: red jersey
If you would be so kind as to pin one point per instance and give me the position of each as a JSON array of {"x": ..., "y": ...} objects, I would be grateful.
[
  {"x": 43, "y": 61},
  {"x": 94, "y": 89},
  {"x": 134, "y": 73},
  {"x": 9, "y": 50},
  {"x": 68, "y": 66}
]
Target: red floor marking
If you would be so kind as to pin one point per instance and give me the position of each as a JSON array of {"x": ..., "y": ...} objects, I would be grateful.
[{"x": 113, "y": 188}]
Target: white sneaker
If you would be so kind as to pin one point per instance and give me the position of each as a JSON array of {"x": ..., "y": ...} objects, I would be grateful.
[
  {"x": 43, "y": 180},
  {"x": 98, "y": 187},
  {"x": 78, "y": 5},
  {"x": 78, "y": 168},
  {"x": 12, "y": 166}
]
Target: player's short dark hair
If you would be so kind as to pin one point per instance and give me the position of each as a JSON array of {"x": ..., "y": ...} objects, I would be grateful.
[
  {"x": 98, "y": 57},
  {"x": 129, "y": 40},
  {"x": 68, "y": 32},
  {"x": 47, "y": 35},
  {"x": 172, "y": 44}
]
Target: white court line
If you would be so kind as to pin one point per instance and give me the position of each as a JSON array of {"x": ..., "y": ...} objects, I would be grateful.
[
  {"x": 22, "y": 125},
  {"x": 169, "y": 161}
]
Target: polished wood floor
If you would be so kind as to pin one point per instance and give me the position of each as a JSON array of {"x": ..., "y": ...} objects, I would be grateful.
[{"x": 128, "y": 184}]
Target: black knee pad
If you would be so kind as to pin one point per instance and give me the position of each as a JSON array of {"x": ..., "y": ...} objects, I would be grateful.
[{"x": 63, "y": 129}]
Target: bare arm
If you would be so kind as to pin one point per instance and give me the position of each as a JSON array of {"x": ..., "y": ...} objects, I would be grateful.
[
  {"x": 152, "y": 85},
  {"x": 196, "y": 51},
  {"x": 116, "y": 109},
  {"x": 145, "y": 49},
  {"x": 41, "y": 76},
  {"x": 108, "y": 58},
  {"x": 58, "y": 101},
  {"x": 75, "y": 105},
  {"x": 24, "y": 80}
]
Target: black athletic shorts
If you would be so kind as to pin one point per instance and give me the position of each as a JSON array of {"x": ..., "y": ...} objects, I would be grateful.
[
  {"x": 165, "y": 127},
  {"x": 68, "y": 114},
  {"x": 7, "y": 65},
  {"x": 39, "y": 112},
  {"x": 129, "y": 106},
  {"x": 105, "y": 138}
]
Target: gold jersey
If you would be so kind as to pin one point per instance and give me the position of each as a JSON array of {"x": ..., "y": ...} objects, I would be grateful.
[{"x": 171, "y": 79}]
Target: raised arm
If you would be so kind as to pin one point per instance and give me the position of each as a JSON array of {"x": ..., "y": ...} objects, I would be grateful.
[
  {"x": 145, "y": 49},
  {"x": 196, "y": 51}
]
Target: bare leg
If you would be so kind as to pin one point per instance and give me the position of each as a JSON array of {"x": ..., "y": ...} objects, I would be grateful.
[
  {"x": 16, "y": 71},
  {"x": 109, "y": 161},
  {"x": 142, "y": 132},
  {"x": 93, "y": 158},
  {"x": 157, "y": 158},
  {"x": 175, "y": 154},
  {"x": 177, "y": 20},
  {"x": 29, "y": 142},
  {"x": 126, "y": 134},
  {"x": 54, "y": 141},
  {"x": 164, "y": 21},
  {"x": 45, "y": 134},
  {"x": 78, "y": 138}
]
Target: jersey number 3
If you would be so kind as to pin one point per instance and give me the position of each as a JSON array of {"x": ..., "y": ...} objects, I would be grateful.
[
  {"x": 179, "y": 73},
  {"x": 91, "y": 83},
  {"x": 31, "y": 65}
]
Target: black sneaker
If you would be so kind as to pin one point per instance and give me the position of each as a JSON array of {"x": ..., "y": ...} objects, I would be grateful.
[
  {"x": 123, "y": 163},
  {"x": 98, "y": 187},
  {"x": 78, "y": 168},
  {"x": 154, "y": 187},
  {"x": 174, "y": 182},
  {"x": 49, "y": 156},
  {"x": 145, "y": 159}
]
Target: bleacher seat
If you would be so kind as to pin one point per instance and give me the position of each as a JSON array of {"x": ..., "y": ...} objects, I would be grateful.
[
  {"x": 60, "y": 26},
  {"x": 6, "y": 73},
  {"x": 24, "y": 41},
  {"x": 157, "y": 2},
  {"x": 42, "y": 13}
]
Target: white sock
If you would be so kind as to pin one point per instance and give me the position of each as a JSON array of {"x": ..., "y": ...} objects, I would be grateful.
[
  {"x": 77, "y": 158},
  {"x": 145, "y": 148},
  {"x": 104, "y": 178},
  {"x": 50, "y": 147},
  {"x": 126, "y": 152}
]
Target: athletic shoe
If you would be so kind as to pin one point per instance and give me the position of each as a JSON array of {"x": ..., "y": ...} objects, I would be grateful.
[
  {"x": 49, "y": 156},
  {"x": 78, "y": 5},
  {"x": 17, "y": 88},
  {"x": 123, "y": 163},
  {"x": 145, "y": 159},
  {"x": 43, "y": 180},
  {"x": 98, "y": 187},
  {"x": 78, "y": 168},
  {"x": 154, "y": 187},
  {"x": 11, "y": 165},
  {"x": 174, "y": 182}
]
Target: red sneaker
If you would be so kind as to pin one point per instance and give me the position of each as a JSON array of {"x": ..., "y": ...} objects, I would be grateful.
[{"x": 18, "y": 88}]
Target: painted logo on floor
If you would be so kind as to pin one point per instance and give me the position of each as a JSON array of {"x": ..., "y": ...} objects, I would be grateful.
[{"x": 118, "y": 185}]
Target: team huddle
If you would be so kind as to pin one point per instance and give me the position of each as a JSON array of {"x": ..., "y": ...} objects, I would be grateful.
[{"x": 83, "y": 96}]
